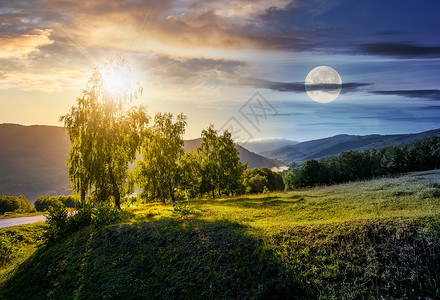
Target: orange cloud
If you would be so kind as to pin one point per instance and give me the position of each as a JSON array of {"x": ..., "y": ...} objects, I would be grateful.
[{"x": 19, "y": 47}]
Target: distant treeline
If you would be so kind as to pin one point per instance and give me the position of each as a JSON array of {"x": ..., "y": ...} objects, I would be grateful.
[
  {"x": 43, "y": 203},
  {"x": 354, "y": 165},
  {"x": 22, "y": 205},
  {"x": 15, "y": 204}
]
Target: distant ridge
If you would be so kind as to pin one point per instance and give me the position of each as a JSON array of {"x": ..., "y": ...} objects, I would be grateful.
[
  {"x": 316, "y": 149},
  {"x": 254, "y": 160},
  {"x": 261, "y": 146},
  {"x": 33, "y": 161}
]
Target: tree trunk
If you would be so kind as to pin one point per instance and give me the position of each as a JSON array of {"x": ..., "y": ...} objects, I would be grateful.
[
  {"x": 83, "y": 195},
  {"x": 116, "y": 192},
  {"x": 172, "y": 193},
  {"x": 117, "y": 198}
]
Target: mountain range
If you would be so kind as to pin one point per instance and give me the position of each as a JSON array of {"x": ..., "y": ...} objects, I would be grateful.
[
  {"x": 320, "y": 148},
  {"x": 254, "y": 160}
]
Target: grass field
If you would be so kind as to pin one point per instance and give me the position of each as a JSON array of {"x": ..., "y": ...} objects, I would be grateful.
[
  {"x": 412, "y": 195},
  {"x": 362, "y": 240}
]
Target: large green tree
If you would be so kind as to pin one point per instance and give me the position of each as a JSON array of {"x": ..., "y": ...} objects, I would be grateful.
[
  {"x": 104, "y": 132},
  {"x": 158, "y": 174},
  {"x": 221, "y": 171}
]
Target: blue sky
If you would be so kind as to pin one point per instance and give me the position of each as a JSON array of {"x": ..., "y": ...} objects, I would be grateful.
[{"x": 207, "y": 59}]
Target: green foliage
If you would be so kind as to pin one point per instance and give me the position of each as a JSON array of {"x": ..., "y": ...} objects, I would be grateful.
[
  {"x": 14, "y": 204},
  {"x": 352, "y": 165},
  {"x": 17, "y": 244},
  {"x": 256, "y": 180},
  {"x": 45, "y": 202},
  {"x": 57, "y": 225},
  {"x": 158, "y": 174},
  {"x": 105, "y": 135},
  {"x": 221, "y": 171},
  {"x": 68, "y": 201},
  {"x": 81, "y": 218},
  {"x": 190, "y": 168},
  {"x": 183, "y": 210},
  {"x": 105, "y": 215},
  {"x": 6, "y": 248}
]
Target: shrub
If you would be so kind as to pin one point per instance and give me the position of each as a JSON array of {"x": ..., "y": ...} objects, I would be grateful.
[
  {"x": 68, "y": 201},
  {"x": 57, "y": 223},
  {"x": 183, "y": 210},
  {"x": 81, "y": 218},
  {"x": 105, "y": 215},
  {"x": 43, "y": 203},
  {"x": 257, "y": 183},
  {"x": 256, "y": 179},
  {"x": 14, "y": 204}
]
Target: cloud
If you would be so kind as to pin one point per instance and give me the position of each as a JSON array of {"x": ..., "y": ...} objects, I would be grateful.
[
  {"x": 240, "y": 10},
  {"x": 427, "y": 94},
  {"x": 400, "y": 50},
  {"x": 21, "y": 46},
  {"x": 297, "y": 87}
]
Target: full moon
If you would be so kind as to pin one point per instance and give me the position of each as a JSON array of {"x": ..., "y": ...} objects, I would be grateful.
[{"x": 323, "y": 84}]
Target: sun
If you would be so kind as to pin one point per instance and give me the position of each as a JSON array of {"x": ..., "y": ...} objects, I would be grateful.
[{"x": 118, "y": 82}]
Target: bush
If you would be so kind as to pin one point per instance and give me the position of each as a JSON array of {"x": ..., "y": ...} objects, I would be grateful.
[
  {"x": 105, "y": 215},
  {"x": 14, "y": 204},
  {"x": 57, "y": 223},
  {"x": 68, "y": 201},
  {"x": 183, "y": 210},
  {"x": 43, "y": 203},
  {"x": 81, "y": 218},
  {"x": 255, "y": 180}
]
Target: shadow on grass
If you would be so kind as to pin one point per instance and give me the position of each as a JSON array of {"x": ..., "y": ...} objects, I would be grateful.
[
  {"x": 261, "y": 202},
  {"x": 195, "y": 259},
  {"x": 155, "y": 260}
]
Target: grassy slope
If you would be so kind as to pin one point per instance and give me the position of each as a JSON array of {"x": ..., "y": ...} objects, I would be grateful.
[
  {"x": 17, "y": 244},
  {"x": 357, "y": 240}
]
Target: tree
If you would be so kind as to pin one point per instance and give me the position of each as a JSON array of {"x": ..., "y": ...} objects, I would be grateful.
[
  {"x": 158, "y": 173},
  {"x": 104, "y": 133},
  {"x": 190, "y": 168},
  {"x": 220, "y": 168},
  {"x": 230, "y": 169},
  {"x": 43, "y": 203},
  {"x": 14, "y": 204}
]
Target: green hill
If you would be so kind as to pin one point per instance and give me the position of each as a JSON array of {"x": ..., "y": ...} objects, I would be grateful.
[{"x": 360, "y": 240}]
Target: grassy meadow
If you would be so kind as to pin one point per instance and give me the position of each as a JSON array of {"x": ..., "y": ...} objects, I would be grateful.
[
  {"x": 362, "y": 240},
  {"x": 413, "y": 195}
]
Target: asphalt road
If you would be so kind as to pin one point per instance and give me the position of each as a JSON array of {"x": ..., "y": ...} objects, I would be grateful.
[{"x": 21, "y": 220}]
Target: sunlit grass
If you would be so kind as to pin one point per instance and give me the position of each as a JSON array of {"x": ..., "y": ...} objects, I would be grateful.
[
  {"x": 18, "y": 243},
  {"x": 412, "y": 195}
]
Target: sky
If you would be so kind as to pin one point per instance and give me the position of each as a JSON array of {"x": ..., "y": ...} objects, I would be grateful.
[{"x": 240, "y": 65}]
